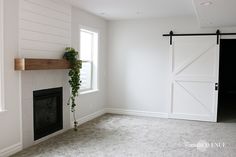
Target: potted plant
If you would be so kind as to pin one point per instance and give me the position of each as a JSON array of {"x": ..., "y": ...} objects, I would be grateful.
[{"x": 74, "y": 81}]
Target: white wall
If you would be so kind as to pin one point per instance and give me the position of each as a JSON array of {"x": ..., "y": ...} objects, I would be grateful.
[
  {"x": 91, "y": 103},
  {"x": 10, "y": 130},
  {"x": 138, "y": 62}
]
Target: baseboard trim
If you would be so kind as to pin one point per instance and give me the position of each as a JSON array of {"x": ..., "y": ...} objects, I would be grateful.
[
  {"x": 89, "y": 117},
  {"x": 119, "y": 111},
  {"x": 11, "y": 150},
  {"x": 193, "y": 117},
  {"x": 137, "y": 113}
]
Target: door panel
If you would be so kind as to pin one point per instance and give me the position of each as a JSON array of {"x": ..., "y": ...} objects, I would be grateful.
[{"x": 194, "y": 72}]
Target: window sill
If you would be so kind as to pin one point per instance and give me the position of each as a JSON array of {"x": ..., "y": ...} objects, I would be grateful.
[
  {"x": 3, "y": 111},
  {"x": 89, "y": 91}
]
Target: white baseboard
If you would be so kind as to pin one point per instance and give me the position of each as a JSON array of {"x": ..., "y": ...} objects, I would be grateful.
[
  {"x": 11, "y": 150},
  {"x": 119, "y": 111},
  {"x": 195, "y": 117},
  {"x": 89, "y": 117},
  {"x": 136, "y": 113}
]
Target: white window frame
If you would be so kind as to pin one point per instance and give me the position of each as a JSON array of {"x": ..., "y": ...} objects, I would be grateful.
[
  {"x": 2, "y": 105},
  {"x": 94, "y": 63}
]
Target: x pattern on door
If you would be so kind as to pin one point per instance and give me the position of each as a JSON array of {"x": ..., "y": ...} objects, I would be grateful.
[{"x": 194, "y": 73}]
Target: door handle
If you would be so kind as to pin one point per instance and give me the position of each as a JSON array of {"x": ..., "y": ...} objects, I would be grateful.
[{"x": 216, "y": 86}]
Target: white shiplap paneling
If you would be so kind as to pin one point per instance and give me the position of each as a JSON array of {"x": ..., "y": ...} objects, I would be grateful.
[
  {"x": 42, "y": 10},
  {"x": 55, "y": 5},
  {"x": 45, "y": 27}
]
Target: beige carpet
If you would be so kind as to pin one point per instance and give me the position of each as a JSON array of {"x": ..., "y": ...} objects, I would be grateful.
[{"x": 130, "y": 136}]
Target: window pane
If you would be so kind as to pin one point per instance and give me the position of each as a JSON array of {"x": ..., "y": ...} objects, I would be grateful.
[
  {"x": 86, "y": 45},
  {"x": 85, "y": 76},
  {"x": 88, "y": 54}
]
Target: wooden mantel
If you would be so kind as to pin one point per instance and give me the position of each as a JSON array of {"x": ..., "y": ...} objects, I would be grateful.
[{"x": 40, "y": 64}]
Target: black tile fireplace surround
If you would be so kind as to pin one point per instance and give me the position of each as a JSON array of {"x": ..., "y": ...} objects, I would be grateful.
[{"x": 48, "y": 114}]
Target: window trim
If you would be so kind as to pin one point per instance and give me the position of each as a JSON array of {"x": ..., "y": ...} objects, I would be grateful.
[
  {"x": 2, "y": 98},
  {"x": 94, "y": 74}
]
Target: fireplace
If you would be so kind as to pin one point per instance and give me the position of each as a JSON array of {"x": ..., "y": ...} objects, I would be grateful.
[{"x": 47, "y": 106}]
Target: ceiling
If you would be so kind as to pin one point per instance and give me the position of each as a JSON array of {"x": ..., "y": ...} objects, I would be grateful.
[
  {"x": 210, "y": 13},
  {"x": 218, "y": 13},
  {"x": 133, "y": 9}
]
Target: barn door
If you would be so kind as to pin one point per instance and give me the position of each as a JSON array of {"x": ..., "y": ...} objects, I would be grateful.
[{"x": 194, "y": 77}]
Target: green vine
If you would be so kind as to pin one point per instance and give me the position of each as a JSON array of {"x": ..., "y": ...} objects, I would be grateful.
[{"x": 74, "y": 81}]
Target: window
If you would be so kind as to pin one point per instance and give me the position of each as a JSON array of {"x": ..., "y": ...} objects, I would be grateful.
[
  {"x": 1, "y": 58},
  {"x": 88, "y": 55}
]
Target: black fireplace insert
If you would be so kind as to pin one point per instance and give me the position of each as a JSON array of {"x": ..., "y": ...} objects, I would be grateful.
[{"x": 48, "y": 114}]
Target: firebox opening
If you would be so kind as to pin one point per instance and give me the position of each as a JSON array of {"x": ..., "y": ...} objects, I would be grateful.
[{"x": 48, "y": 114}]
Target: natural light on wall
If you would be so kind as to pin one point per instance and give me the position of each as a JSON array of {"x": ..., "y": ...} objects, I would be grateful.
[
  {"x": 2, "y": 107},
  {"x": 89, "y": 56}
]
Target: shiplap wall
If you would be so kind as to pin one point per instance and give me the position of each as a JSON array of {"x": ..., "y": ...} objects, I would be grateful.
[
  {"x": 45, "y": 27},
  {"x": 44, "y": 32}
]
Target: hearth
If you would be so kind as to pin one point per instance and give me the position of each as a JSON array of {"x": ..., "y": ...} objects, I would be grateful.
[{"x": 48, "y": 115}]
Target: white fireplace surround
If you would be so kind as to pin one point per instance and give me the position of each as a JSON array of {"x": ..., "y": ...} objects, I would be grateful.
[{"x": 37, "y": 80}]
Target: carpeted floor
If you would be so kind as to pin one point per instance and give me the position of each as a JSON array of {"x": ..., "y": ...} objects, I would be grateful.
[{"x": 130, "y": 136}]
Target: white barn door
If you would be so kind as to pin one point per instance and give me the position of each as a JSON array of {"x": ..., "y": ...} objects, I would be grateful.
[{"x": 194, "y": 73}]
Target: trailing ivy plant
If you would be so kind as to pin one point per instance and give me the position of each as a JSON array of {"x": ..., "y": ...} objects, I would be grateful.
[{"x": 74, "y": 81}]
